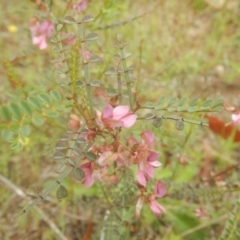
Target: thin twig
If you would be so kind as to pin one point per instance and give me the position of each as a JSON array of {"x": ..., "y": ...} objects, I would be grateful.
[{"x": 46, "y": 218}]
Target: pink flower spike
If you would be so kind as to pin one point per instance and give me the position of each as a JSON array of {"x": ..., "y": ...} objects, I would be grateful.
[
  {"x": 236, "y": 118},
  {"x": 160, "y": 189},
  {"x": 81, "y": 6}
]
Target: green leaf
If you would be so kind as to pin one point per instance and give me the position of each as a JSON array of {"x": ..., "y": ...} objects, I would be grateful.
[
  {"x": 61, "y": 146},
  {"x": 62, "y": 192},
  {"x": 161, "y": 100},
  {"x": 111, "y": 71},
  {"x": 59, "y": 27},
  {"x": 171, "y": 109},
  {"x": 26, "y": 107},
  {"x": 16, "y": 111},
  {"x": 38, "y": 121},
  {"x": 25, "y": 130},
  {"x": 7, "y": 134},
  {"x": 157, "y": 122},
  {"x": 95, "y": 83},
  {"x": 44, "y": 98},
  {"x": 6, "y": 114},
  {"x": 78, "y": 174},
  {"x": 69, "y": 20},
  {"x": 149, "y": 105},
  {"x": 218, "y": 109},
  {"x": 172, "y": 101},
  {"x": 149, "y": 116},
  {"x": 91, "y": 37},
  {"x": 87, "y": 18},
  {"x": 218, "y": 102},
  {"x": 179, "y": 125},
  {"x": 91, "y": 156},
  {"x": 94, "y": 58},
  {"x": 16, "y": 146},
  {"x": 34, "y": 102},
  {"x": 194, "y": 102},
  {"x": 207, "y": 103},
  {"x": 56, "y": 95},
  {"x": 181, "y": 109},
  {"x": 51, "y": 113},
  {"x": 112, "y": 92},
  {"x": 192, "y": 109},
  {"x": 58, "y": 155}
]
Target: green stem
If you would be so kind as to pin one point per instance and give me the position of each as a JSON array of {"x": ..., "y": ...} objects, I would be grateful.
[{"x": 128, "y": 80}]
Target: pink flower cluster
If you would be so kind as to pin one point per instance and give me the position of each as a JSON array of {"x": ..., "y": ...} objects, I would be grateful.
[
  {"x": 144, "y": 157},
  {"x": 115, "y": 155},
  {"x": 40, "y": 32}
]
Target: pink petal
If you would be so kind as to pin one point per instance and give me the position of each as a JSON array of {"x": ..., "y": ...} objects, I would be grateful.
[
  {"x": 149, "y": 170},
  {"x": 153, "y": 156},
  {"x": 160, "y": 189},
  {"x": 154, "y": 207},
  {"x": 236, "y": 118},
  {"x": 157, "y": 208},
  {"x": 129, "y": 120},
  {"x": 107, "y": 112},
  {"x": 148, "y": 137},
  {"x": 120, "y": 111},
  {"x": 141, "y": 178},
  {"x": 112, "y": 123}
]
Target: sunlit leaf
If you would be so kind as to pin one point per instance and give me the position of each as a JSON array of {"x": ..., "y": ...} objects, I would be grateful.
[
  {"x": 172, "y": 100},
  {"x": 194, "y": 102},
  {"x": 38, "y": 120},
  {"x": 26, "y": 107},
  {"x": 56, "y": 95},
  {"x": 44, "y": 98},
  {"x": 6, "y": 114},
  {"x": 34, "y": 102},
  {"x": 16, "y": 111},
  {"x": 25, "y": 130}
]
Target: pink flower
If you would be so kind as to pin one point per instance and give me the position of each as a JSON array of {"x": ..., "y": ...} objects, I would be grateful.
[
  {"x": 81, "y": 6},
  {"x": 40, "y": 32},
  {"x": 120, "y": 116},
  {"x": 236, "y": 118},
  {"x": 160, "y": 191},
  {"x": 146, "y": 159}
]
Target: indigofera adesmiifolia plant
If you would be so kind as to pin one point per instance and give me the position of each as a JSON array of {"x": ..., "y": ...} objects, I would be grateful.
[{"x": 98, "y": 145}]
